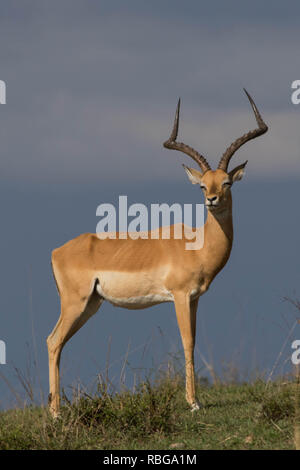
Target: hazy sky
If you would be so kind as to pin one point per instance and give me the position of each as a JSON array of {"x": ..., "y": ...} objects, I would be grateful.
[{"x": 92, "y": 88}]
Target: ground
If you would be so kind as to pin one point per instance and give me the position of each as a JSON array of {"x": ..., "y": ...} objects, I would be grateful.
[{"x": 155, "y": 416}]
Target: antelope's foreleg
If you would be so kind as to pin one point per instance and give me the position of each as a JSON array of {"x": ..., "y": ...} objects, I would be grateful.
[{"x": 186, "y": 318}]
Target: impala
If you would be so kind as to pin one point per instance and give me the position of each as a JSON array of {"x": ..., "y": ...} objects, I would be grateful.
[{"x": 139, "y": 273}]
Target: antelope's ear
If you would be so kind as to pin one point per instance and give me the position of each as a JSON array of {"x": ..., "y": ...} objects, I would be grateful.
[
  {"x": 194, "y": 175},
  {"x": 238, "y": 172}
]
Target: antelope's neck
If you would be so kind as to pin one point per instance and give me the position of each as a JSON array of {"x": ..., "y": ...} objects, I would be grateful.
[{"x": 218, "y": 238}]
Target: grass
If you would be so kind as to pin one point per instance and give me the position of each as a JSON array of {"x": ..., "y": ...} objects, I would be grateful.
[{"x": 156, "y": 416}]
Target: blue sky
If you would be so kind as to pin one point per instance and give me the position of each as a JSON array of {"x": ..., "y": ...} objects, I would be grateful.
[{"x": 91, "y": 93}]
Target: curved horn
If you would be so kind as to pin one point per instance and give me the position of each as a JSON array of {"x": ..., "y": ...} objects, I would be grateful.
[
  {"x": 262, "y": 128},
  {"x": 173, "y": 145}
]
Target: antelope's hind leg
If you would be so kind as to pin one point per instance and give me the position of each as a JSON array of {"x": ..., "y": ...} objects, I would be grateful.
[{"x": 75, "y": 312}]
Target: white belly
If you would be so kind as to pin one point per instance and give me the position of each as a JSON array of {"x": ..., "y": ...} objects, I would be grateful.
[{"x": 132, "y": 291}]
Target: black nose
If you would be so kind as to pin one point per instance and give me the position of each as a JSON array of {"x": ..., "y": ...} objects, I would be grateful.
[{"x": 212, "y": 199}]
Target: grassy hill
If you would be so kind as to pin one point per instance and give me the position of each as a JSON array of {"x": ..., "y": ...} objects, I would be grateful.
[{"x": 156, "y": 416}]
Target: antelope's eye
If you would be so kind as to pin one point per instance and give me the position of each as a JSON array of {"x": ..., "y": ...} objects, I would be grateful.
[
  {"x": 202, "y": 186},
  {"x": 227, "y": 183}
]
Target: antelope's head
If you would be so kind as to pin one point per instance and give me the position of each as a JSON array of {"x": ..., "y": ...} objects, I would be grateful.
[{"x": 216, "y": 184}]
